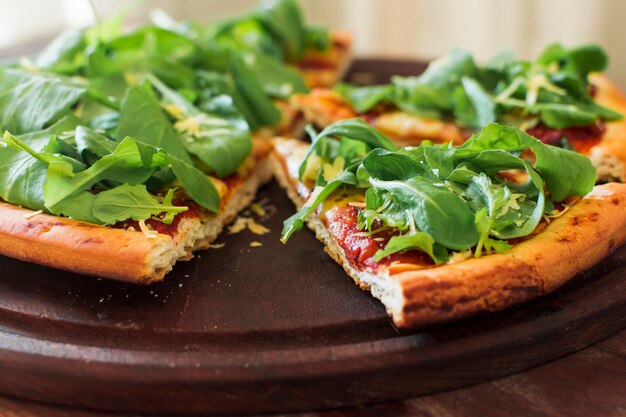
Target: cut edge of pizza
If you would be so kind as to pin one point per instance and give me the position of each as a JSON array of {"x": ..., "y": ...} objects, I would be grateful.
[
  {"x": 417, "y": 293},
  {"x": 137, "y": 252}
]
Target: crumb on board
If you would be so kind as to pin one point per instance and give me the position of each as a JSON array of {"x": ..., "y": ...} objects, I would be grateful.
[{"x": 255, "y": 244}]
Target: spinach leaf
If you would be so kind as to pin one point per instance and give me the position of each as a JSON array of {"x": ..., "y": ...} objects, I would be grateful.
[{"x": 30, "y": 101}]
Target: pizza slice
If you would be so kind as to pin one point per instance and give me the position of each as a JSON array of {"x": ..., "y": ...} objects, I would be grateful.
[
  {"x": 442, "y": 232},
  {"x": 125, "y": 153},
  {"x": 138, "y": 251},
  {"x": 124, "y": 193},
  {"x": 559, "y": 98}
]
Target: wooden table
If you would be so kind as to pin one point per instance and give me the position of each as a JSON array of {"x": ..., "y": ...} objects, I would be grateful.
[{"x": 591, "y": 382}]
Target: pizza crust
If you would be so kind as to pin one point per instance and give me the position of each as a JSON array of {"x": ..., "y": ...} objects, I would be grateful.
[
  {"x": 609, "y": 156},
  {"x": 121, "y": 254},
  {"x": 570, "y": 244},
  {"x": 326, "y": 68}
]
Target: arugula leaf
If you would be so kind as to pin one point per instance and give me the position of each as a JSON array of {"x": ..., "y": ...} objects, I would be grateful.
[
  {"x": 64, "y": 55},
  {"x": 319, "y": 194},
  {"x": 92, "y": 145},
  {"x": 416, "y": 241},
  {"x": 248, "y": 90},
  {"x": 276, "y": 79},
  {"x": 133, "y": 202},
  {"x": 566, "y": 173},
  {"x": 363, "y": 99},
  {"x": 31, "y": 101},
  {"x": 141, "y": 117},
  {"x": 474, "y": 107},
  {"x": 432, "y": 209},
  {"x": 222, "y": 141},
  {"x": 355, "y": 129},
  {"x": 283, "y": 20},
  {"x": 21, "y": 176},
  {"x": 391, "y": 166},
  {"x": 553, "y": 89}
]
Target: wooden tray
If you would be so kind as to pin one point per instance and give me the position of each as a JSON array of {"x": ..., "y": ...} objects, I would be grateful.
[{"x": 268, "y": 329}]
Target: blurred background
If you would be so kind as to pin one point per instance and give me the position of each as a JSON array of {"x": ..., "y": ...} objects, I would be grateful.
[{"x": 384, "y": 28}]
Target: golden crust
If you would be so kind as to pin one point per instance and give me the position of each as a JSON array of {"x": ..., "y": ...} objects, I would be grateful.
[
  {"x": 570, "y": 244},
  {"x": 609, "y": 156},
  {"x": 76, "y": 246},
  {"x": 124, "y": 254}
]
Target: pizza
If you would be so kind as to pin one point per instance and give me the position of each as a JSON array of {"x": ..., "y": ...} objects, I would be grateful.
[
  {"x": 438, "y": 232},
  {"x": 559, "y": 98},
  {"x": 123, "y": 156},
  {"x": 140, "y": 252}
]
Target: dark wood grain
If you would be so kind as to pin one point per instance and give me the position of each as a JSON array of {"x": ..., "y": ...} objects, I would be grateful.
[
  {"x": 591, "y": 382},
  {"x": 269, "y": 329}
]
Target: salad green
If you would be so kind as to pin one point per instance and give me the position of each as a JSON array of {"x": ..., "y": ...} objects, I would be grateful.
[
  {"x": 552, "y": 90},
  {"x": 102, "y": 126},
  {"x": 440, "y": 199}
]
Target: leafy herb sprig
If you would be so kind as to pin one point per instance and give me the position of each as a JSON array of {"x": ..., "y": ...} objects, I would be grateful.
[
  {"x": 552, "y": 90},
  {"x": 441, "y": 198}
]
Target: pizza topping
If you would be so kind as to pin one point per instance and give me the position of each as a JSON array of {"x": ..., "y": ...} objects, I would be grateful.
[
  {"x": 100, "y": 126},
  {"x": 32, "y": 214},
  {"x": 553, "y": 90},
  {"x": 580, "y": 138},
  {"x": 362, "y": 248},
  {"x": 147, "y": 232},
  {"x": 437, "y": 199}
]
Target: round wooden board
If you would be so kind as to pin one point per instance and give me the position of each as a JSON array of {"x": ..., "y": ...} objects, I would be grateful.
[{"x": 273, "y": 328}]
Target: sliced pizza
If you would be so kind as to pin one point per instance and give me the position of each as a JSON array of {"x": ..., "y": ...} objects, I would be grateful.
[
  {"x": 439, "y": 232},
  {"x": 138, "y": 251},
  {"x": 558, "y": 98},
  {"x": 125, "y": 153}
]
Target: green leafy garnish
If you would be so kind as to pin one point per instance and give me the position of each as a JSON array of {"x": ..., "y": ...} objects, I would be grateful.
[
  {"x": 440, "y": 198},
  {"x": 553, "y": 90}
]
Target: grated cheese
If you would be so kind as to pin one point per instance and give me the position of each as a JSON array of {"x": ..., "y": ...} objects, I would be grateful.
[
  {"x": 239, "y": 225},
  {"x": 258, "y": 209},
  {"x": 256, "y": 228},
  {"x": 32, "y": 214},
  {"x": 255, "y": 244},
  {"x": 147, "y": 232}
]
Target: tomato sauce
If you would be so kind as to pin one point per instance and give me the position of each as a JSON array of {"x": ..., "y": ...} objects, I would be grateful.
[
  {"x": 193, "y": 210},
  {"x": 359, "y": 248},
  {"x": 582, "y": 138}
]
